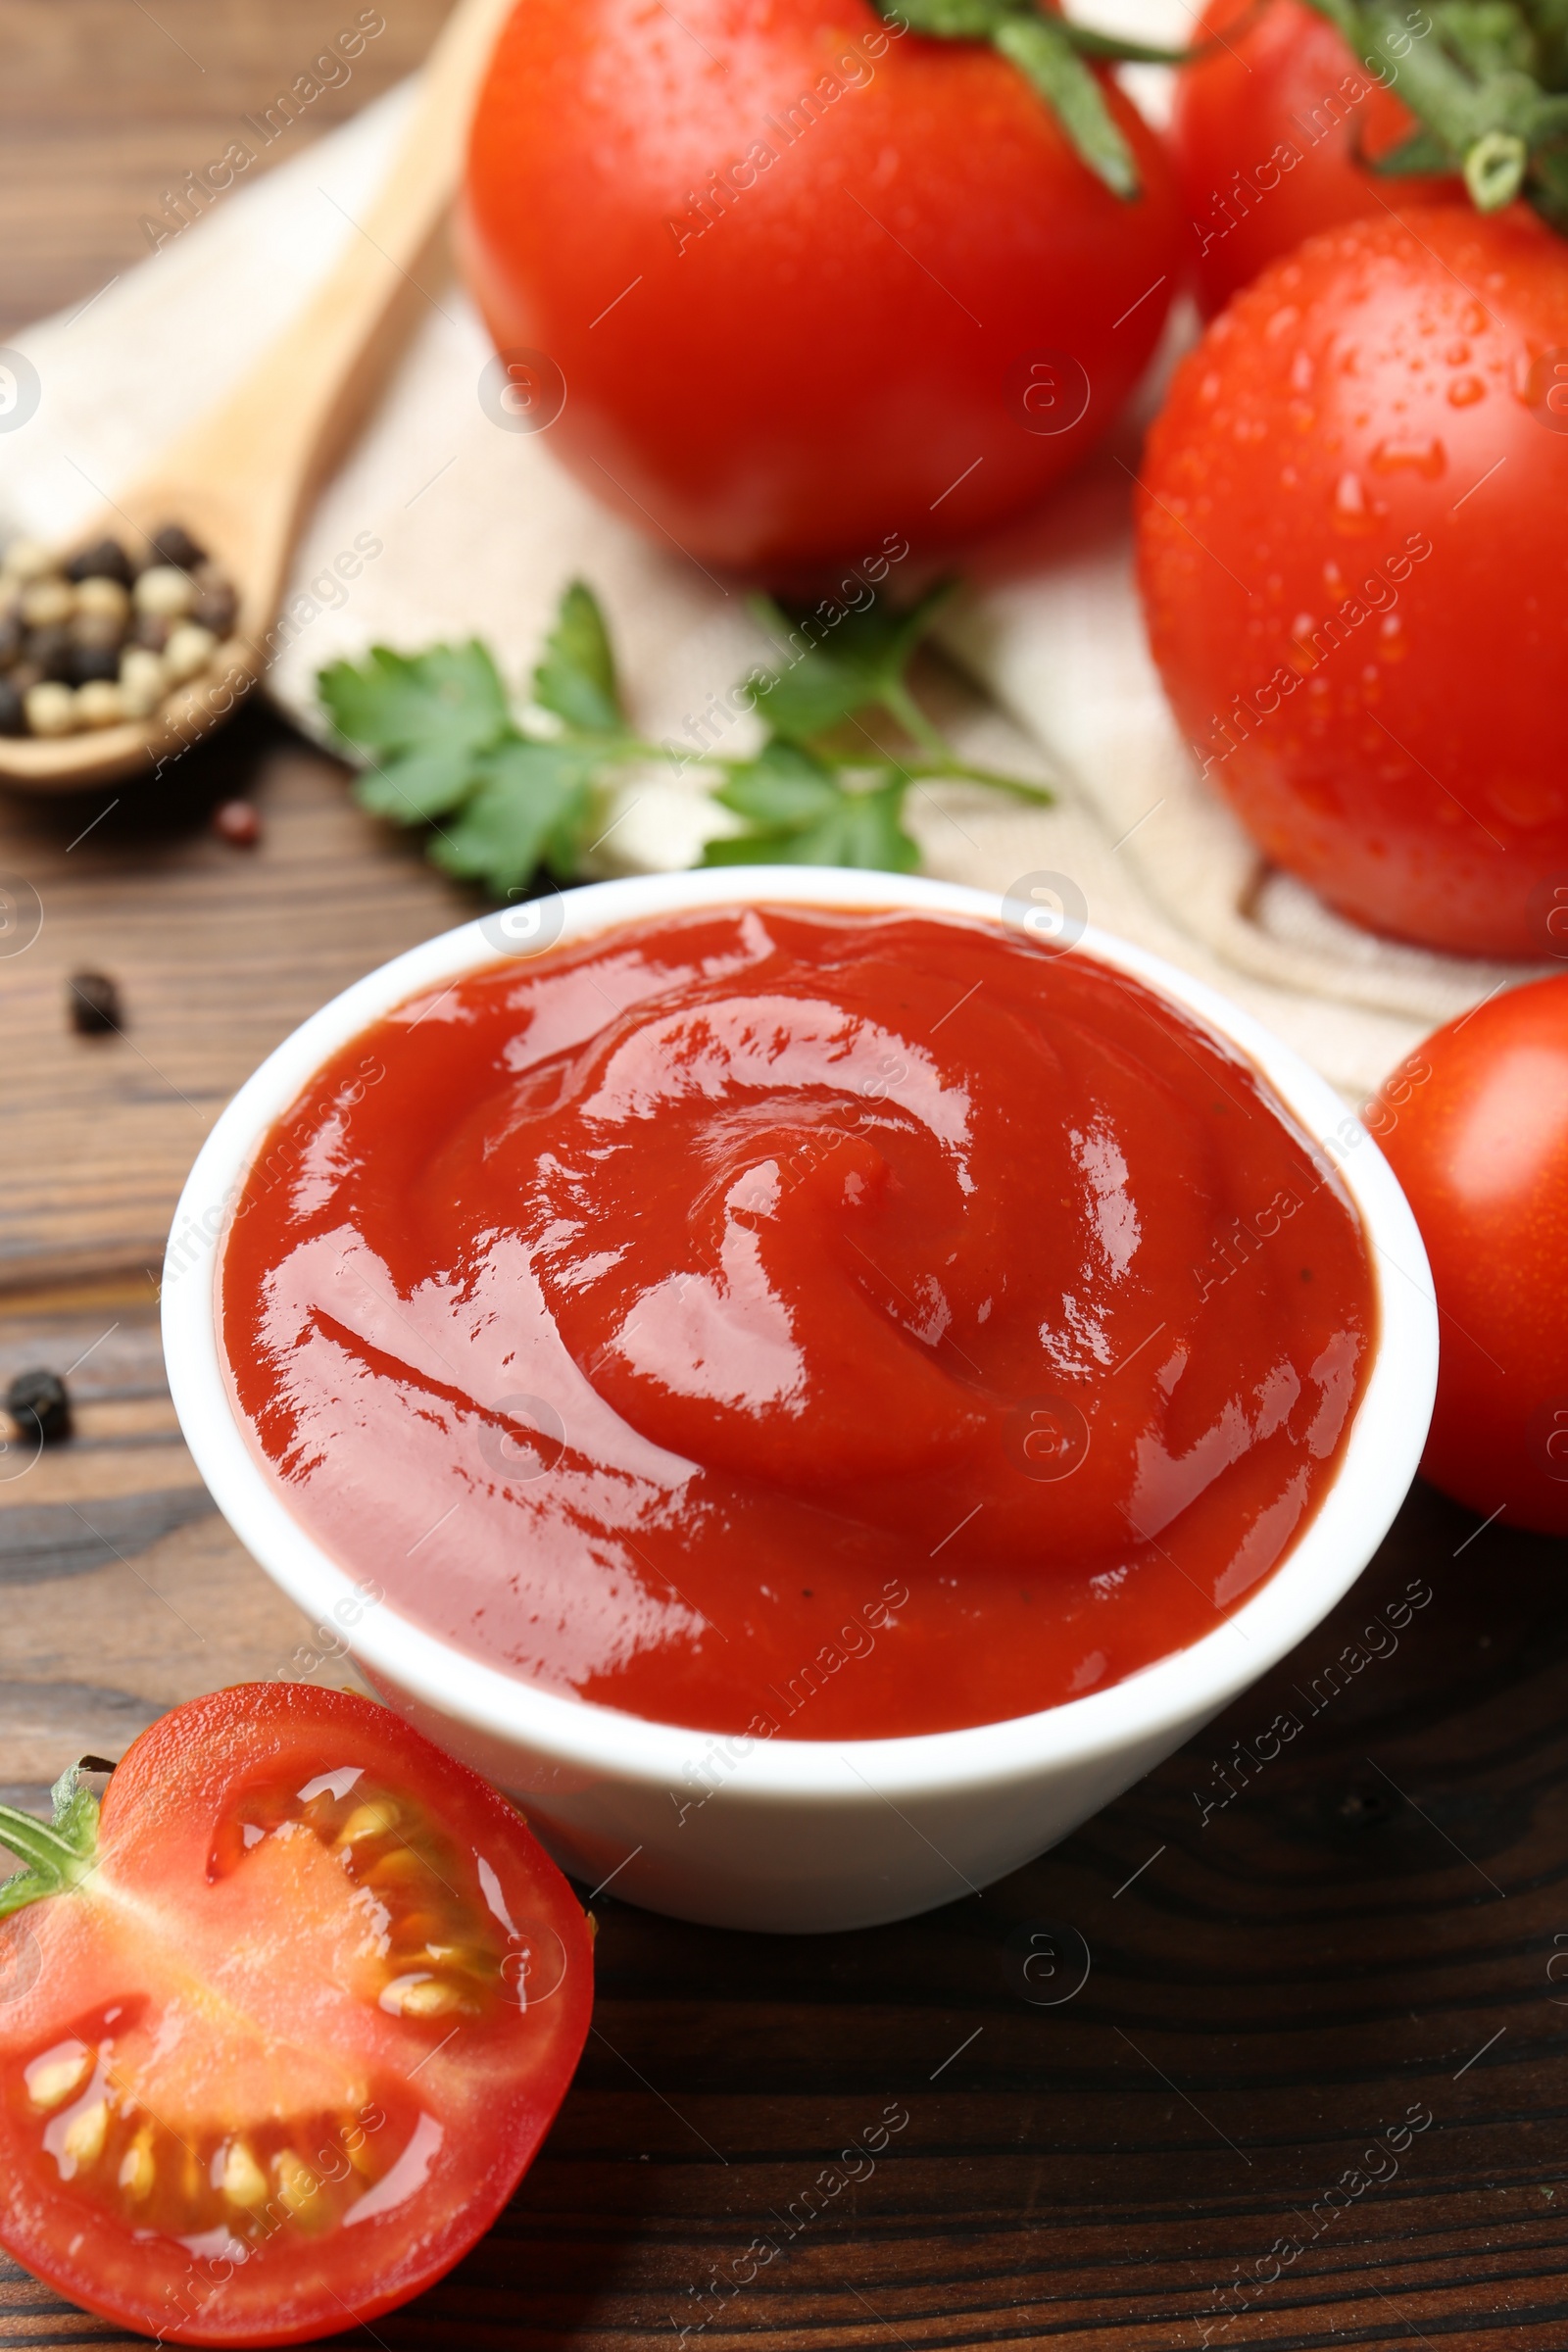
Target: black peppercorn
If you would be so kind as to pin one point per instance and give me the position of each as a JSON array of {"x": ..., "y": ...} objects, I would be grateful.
[
  {"x": 94, "y": 1003},
  {"x": 107, "y": 560},
  {"x": 90, "y": 661},
  {"x": 215, "y": 607},
  {"x": 174, "y": 545},
  {"x": 152, "y": 631},
  {"x": 40, "y": 1408},
  {"x": 97, "y": 628},
  {"x": 49, "y": 651}
]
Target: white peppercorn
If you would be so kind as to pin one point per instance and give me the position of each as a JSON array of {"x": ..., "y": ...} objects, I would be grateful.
[
  {"x": 100, "y": 703},
  {"x": 189, "y": 649},
  {"x": 26, "y": 559},
  {"x": 164, "y": 591},
  {"x": 45, "y": 603},
  {"x": 104, "y": 598},
  {"x": 51, "y": 708},
  {"x": 143, "y": 681}
]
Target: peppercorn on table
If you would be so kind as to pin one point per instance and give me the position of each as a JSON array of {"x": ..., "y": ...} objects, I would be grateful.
[{"x": 1270, "y": 2052}]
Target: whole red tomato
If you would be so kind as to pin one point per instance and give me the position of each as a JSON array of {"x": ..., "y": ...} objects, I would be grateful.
[
  {"x": 1268, "y": 131},
  {"x": 1476, "y": 1126},
  {"x": 813, "y": 281},
  {"x": 280, "y": 2028},
  {"x": 1354, "y": 570}
]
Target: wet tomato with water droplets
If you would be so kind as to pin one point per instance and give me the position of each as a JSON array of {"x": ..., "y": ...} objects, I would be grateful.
[
  {"x": 1476, "y": 1126},
  {"x": 1355, "y": 574},
  {"x": 794, "y": 285},
  {"x": 282, "y": 2027}
]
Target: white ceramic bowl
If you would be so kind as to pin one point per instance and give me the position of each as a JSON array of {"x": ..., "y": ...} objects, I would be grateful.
[{"x": 792, "y": 1833}]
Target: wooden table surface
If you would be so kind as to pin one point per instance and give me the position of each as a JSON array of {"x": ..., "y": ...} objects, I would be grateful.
[{"x": 1314, "y": 2088}]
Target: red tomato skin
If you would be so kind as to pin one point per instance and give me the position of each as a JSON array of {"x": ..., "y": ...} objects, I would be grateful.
[
  {"x": 827, "y": 364},
  {"x": 1351, "y": 443},
  {"x": 155, "y": 1830},
  {"x": 1265, "y": 134},
  {"x": 1481, "y": 1149}
]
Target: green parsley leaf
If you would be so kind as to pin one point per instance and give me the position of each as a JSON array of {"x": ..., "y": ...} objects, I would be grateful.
[
  {"x": 420, "y": 786},
  {"x": 530, "y": 808},
  {"x": 501, "y": 802},
  {"x": 856, "y": 661},
  {"x": 449, "y": 698},
  {"x": 864, "y": 832},
  {"x": 812, "y": 819},
  {"x": 576, "y": 679},
  {"x": 783, "y": 787}
]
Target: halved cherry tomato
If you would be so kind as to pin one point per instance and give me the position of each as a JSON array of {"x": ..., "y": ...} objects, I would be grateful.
[
  {"x": 283, "y": 2027},
  {"x": 1476, "y": 1127}
]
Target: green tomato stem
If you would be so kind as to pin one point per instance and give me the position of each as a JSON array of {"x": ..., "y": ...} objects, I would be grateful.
[{"x": 53, "y": 1863}]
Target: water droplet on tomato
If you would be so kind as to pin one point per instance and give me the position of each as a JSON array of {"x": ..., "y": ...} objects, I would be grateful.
[
  {"x": 1527, "y": 801},
  {"x": 1301, "y": 372},
  {"x": 1302, "y": 656},
  {"x": 1457, "y": 354},
  {"x": 1353, "y": 511},
  {"x": 1399, "y": 453},
  {"x": 1465, "y": 391}
]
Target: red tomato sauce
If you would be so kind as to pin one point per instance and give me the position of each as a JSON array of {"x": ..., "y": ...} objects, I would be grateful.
[{"x": 824, "y": 1324}]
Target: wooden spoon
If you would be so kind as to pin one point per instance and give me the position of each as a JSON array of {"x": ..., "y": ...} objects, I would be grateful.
[{"x": 241, "y": 480}]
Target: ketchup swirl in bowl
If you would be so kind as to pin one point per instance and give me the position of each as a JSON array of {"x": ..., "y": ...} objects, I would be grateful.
[{"x": 831, "y": 1324}]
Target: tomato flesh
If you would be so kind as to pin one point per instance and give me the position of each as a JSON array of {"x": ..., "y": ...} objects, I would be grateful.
[{"x": 295, "y": 2037}]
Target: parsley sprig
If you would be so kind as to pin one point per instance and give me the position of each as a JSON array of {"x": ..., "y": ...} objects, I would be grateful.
[{"x": 505, "y": 792}]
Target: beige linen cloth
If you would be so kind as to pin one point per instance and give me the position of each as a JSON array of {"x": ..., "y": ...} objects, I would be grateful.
[{"x": 478, "y": 529}]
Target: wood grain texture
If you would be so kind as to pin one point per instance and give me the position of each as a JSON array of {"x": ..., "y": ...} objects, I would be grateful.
[
  {"x": 120, "y": 1591},
  {"x": 1370, "y": 1922},
  {"x": 217, "y": 952},
  {"x": 1365, "y": 1929},
  {"x": 106, "y": 105}
]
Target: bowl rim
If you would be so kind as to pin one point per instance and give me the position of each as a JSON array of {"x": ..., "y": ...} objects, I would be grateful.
[{"x": 583, "y": 1739}]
